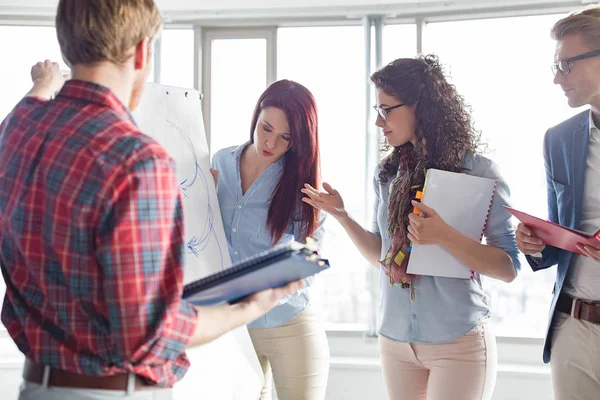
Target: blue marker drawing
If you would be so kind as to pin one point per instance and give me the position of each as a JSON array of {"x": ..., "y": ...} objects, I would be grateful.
[
  {"x": 185, "y": 185},
  {"x": 193, "y": 245},
  {"x": 199, "y": 242}
]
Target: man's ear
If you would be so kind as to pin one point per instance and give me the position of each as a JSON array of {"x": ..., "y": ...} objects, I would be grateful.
[{"x": 142, "y": 54}]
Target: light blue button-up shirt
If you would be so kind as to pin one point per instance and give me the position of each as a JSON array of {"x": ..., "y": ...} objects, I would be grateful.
[
  {"x": 245, "y": 218},
  {"x": 444, "y": 308}
]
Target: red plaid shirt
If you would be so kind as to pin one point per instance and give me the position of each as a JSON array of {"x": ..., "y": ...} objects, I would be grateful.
[{"x": 91, "y": 239}]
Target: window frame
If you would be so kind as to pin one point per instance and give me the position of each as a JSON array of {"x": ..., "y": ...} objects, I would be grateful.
[{"x": 208, "y": 35}]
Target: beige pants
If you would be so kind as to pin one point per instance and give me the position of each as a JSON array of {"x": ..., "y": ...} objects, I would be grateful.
[
  {"x": 463, "y": 369},
  {"x": 295, "y": 356},
  {"x": 575, "y": 358}
]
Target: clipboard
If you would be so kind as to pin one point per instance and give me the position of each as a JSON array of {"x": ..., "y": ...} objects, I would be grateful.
[
  {"x": 557, "y": 235},
  {"x": 271, "y": 269},
  {"x": 463, "y": 202}
]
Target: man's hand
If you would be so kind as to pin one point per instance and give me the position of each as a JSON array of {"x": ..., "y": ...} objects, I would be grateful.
[
  {"x": 526, "y": 242},
  {"x": 47, "y": 79},
  {"x": 261, "y": 302},
  {"x": 216, "y": 321},
  {"x": 590, "y": 252}
]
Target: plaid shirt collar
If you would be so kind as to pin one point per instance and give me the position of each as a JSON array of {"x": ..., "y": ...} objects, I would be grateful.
[{"x": 94, "y": 93}]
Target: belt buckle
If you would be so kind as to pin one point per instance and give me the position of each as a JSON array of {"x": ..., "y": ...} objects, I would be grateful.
[{"x": 576, "y": 307}]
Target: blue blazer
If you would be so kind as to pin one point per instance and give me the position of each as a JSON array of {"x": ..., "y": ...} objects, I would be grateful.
[{"x": 565, "y": 153}]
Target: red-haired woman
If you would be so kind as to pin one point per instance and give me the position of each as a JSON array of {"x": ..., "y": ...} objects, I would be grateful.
[{"x": 259, "y": 195}]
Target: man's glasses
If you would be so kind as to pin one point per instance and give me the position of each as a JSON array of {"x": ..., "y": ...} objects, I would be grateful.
[
  {"x": 564, "y": 66},
  {"x": 384, "y": 111}
]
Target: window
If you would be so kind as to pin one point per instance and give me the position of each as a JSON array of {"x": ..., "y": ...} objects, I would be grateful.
[
  {"x": 502, "y": 68},
  {"x": 238, "y": 75},
  {"x": 41, "y": 44},
  {"x": 399, "y": 41},
  {"x": 177, "y": 58},
  {"x": 329, "y": 61}
]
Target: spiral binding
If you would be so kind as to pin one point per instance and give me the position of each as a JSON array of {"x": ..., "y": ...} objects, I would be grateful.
[
  {"x": 489, "y": 209},
  {"x": 486, "y": 218}
]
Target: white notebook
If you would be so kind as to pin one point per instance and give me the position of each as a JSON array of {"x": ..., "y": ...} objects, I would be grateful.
[{"x": 464, "y": 202}]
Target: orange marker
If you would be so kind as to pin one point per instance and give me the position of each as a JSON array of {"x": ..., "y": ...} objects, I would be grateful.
[{"x": 418, "y": 196}]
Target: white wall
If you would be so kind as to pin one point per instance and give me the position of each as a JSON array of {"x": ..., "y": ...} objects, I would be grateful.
[{"x": 355, "y": 373}]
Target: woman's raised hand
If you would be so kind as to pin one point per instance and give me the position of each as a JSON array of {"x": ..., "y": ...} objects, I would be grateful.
[{"x": 328, "y": 200}]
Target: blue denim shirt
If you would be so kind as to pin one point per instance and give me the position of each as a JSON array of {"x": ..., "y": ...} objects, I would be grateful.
[
  {"x": 444, "y": 308},
  {"x": 245, "y": 218}
]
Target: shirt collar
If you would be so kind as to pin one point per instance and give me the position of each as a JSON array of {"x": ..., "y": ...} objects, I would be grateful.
[
  {"x": 237, "y": 151},
  {"x": 594, "y": 131},
  {"x": 94, "y": 93},
  {"x": 467, "y": 162}
]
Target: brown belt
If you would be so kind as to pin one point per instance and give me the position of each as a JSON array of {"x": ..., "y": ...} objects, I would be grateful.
[
  {"x": 579, "y": 309},
  {"x": 34, "y": 373}
]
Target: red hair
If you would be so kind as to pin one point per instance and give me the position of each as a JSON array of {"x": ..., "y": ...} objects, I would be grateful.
[{"x": 301, "y": 161}]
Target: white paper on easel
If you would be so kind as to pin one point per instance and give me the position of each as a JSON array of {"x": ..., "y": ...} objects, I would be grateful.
[
  {"x": 463, "y": 202},
  {"x": 226, "y": 368}
]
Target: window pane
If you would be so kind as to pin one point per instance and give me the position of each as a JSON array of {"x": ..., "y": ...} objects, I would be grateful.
[
  {"x": 503, "y": 71},
  {"x": 40, "y": 44},
  {"x": 399, "y": 41},
  {"x": 177, "y": 58},
  {"x": 238, "y": 77},
  {"x": 329, "y": 61}
]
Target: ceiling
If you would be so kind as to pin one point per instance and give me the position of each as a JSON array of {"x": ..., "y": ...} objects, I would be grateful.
[{"x": 193, "y": 10}]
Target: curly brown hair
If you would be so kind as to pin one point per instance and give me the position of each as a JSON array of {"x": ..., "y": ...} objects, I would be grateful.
[{"x": 445, "y": 133}]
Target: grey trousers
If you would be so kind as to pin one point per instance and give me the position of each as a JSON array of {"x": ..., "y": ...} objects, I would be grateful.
[{"x": 34, "y": 391}]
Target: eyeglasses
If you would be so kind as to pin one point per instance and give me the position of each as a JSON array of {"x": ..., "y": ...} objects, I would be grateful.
[
  {"x": 564, "y": 66},
  {"x": 383, "y": 112}
]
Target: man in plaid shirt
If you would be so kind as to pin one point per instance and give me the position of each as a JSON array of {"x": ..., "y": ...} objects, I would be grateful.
[{"x": 91, "y": 227}]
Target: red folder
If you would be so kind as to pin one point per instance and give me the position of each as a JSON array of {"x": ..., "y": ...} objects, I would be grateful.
[{"x": 557, "y": 235}]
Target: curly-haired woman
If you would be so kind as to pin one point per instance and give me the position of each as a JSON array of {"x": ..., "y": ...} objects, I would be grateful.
[{"x": 435, "y": 339}]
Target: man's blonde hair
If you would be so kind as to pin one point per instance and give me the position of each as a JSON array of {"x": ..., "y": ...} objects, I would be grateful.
[
  {"x": 91, "y": 31},
  {"x": 584, "y": 22}
]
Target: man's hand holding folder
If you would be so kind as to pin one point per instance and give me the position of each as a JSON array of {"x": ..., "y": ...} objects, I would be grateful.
[
  {"x": 261, "y": 302},
  {"x": 531, "y": 228},
  {"x": 527, "y": 242},
  {"x": 276, "y": 267}
]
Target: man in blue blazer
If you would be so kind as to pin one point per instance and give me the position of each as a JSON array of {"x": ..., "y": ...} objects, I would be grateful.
[{"x": 572, "y": 160}]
